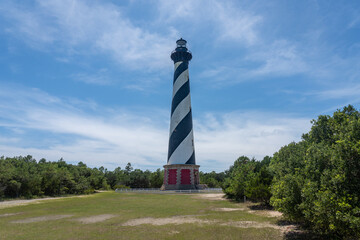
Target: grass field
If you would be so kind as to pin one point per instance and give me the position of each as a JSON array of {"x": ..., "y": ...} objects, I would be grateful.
[{"x": 111, "y": 215}]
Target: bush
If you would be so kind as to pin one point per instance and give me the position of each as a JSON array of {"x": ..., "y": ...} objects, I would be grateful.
[{"x": 249, "y": 178}]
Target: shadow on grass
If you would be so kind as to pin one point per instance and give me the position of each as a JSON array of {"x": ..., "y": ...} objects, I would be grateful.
[
  {"x": 260, "y": 207},
  {"x": 298, "y": 231}
]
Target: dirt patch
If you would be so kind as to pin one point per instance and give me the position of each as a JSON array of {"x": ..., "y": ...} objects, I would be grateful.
[
  {"x": 228, "y": 209},
  {"x": 42, "y": 219},
  {"x": 273, "y": 213},
  {"x": 14, "y": 203},
  {"x": 9, "y": 214},
  {"x": 263, "y": 210},
  {"x": 285, "y": 229},
  {"x": 251, "y": 224},
  {"x": 163, "y": 221},
  {"x": 211, "y": 196},
  {"x": 270, "y": 213},
  {"x": 95, "y": 219},
  {"x": 173, "y": 232}
]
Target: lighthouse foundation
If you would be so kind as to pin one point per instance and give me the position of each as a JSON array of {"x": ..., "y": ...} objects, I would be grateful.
[{"x": 181, "y": 177}]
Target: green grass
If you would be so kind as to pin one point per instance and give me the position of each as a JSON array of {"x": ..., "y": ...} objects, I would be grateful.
[{"x": 127, "y": 206}]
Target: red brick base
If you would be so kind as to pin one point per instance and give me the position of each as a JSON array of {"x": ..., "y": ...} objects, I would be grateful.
[{"x": 181, "y": 177}]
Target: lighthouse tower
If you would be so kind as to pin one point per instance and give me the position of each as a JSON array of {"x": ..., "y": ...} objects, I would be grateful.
[{"x": 181, "y": 172}]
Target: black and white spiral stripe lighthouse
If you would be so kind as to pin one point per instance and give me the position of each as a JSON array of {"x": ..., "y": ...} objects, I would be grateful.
[{"x": 181, "y": 172}]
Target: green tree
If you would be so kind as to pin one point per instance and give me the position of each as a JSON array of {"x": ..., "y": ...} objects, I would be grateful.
[
  {"x": 139, "y": 179},
  {"x": 128, "y": 168},
  {"x": 317, "y": 180},
  {"x": 157, "y": 178},
  {"x": 212, "y": 179},
  {"x": 258, "y": 187}
]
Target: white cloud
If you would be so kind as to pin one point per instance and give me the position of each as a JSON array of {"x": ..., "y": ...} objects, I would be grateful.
[
  {"x": 53, "y": 128},
  {"x": 99, "y": 78},
  {"x": 223, "y": 138},
  {"x": 228, "y": 21},
  {"x": 236, "y": 24},
  {"x": 280, "y": 58},
  {"x": 28, "y": 23},
  {"x": 76, "y": 26},
  {"x": 341, "y": 92},
  {"x": 96, "y": 139}
]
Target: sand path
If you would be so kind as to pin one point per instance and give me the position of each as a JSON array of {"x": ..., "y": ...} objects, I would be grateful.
[{"x": 14, "y": 203}]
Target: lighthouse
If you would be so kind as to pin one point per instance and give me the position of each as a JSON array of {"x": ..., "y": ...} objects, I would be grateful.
[{"x": 181, "y": 172}]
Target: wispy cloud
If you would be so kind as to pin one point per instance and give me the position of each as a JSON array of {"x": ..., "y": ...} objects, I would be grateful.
[
  {"x": 343, "y": 92},
  {"x": 113, "y": 137},
  {"x": 280, "y": 58},
  {"x": 27, "y": 23},
  {"x": 101, "y": 77},
  {"x": 223, "y": 138},
  {"x": 120, "y": 135},
  {"x": 76, "y": 26},
  {"x": 227, "y": 21},
  {"x": 236, "y": 24}
]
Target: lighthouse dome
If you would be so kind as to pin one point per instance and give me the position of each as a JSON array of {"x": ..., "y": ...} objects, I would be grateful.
[{"x": 181, "y": 43}]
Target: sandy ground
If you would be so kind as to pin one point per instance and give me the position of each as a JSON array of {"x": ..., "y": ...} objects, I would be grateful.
[
  {"x": 268, "y": 213},
  {"x": 210, "y": 196},
  {"x": 42, "y": 218},
  {"x": 173, "y": 232},
  {"x": 9, "y": 214},
  {"x": 163, "y": 221},
  {"x": 221, "y": 196},
  {"x": 250, "y": 224},
  {"x": 228, "y": 209},
  {"x": 187, "y": 219},
  {"x": 95, "y": 219},
  {"x": 14, "y": 203}
]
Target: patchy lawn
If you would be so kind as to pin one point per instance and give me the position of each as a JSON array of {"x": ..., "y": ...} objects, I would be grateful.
[{"x": 111, "y": 215}]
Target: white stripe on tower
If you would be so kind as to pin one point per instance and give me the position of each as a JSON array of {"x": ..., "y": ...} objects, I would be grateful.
[
  {"x": 181, "y": 80},
  {"x": 177, "y": 64}
]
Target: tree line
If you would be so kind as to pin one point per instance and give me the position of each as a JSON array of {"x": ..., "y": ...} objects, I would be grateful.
[
  {"x": 24, "y": 177},
  {"x": 315, "y": 181},
  {"x": 28, "y": 178}
]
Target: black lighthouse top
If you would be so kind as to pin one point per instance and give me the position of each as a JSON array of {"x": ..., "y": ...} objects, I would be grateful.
[{"x": 181, "y": 53}]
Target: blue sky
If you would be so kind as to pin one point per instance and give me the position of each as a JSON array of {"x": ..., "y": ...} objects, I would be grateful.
[{"x": 91, "y": 81}]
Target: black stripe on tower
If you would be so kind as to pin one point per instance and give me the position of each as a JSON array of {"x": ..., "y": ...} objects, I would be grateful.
[
  {"x": 180, "y": 132},
  {"x": 181, "y": 54},
  {"x": 182, "y": 93},
  {"x": 191, "y": 159},
  {"x": 180, "y": 69}
]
